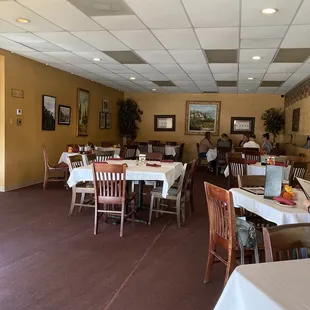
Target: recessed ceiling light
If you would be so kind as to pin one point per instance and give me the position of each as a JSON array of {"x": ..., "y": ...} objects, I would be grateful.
[
  {"x": 23, "y": 20},
  {"x": 154, "y": 89},
  {"x": 269, "y": 11},
  {"x": 132, "y": 78},
  {"x": 96, "y": 59},
  {"x": 247, "y": 89},
  {"x": 256, "y": 57},
  {"x": 250, "y": 78}
]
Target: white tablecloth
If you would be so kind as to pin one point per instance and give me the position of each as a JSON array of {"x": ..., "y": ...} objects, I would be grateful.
[
  {"x": 170, "y": 150},
  {"x": 108, "y": 149},
  {"x": 269, "y": 286},
  {"x": 64, "y": 157},
  {"x": 258, "y": 169},
  {"x": 269, "y": 209},
  {"x": 168, "y": 173},
  {"x": 211, "y": 154}
]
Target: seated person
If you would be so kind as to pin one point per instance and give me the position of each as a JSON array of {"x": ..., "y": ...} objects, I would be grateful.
[
  {"x": 244, "y": 140},
  {"x": 266, "y": 146},
  {"x": 224, "y": 141},
  {"x": 251, "y": 143},
  {"x": 205, "y": 145}
]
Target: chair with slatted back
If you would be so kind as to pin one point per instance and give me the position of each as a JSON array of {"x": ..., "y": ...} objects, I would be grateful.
[
  {"x": 102, "y": 156},
  {"x": 236, "y": 166},
  {"x": 131, "y": 152},
  {"x": 107, "y": 144},
  {"x": 179, "y": 153},
  {"x": 54, "y": 173},
  {"x": 110, "y": 193},
  {"x": 298, "y": 170},
  {"x": 154, "y": 156},
  {"x": 154, "y": 142},
  {"x": 173, "y": 143},
  {"x": 252, "y": 155},
  {"x": 221, "y": 160},
  {"x": 290, "y": 159},
  {"x": 286, "y": 242},
  {"x": 143, "y": 147},
  {"x": 251, "y": 149},
  {"x": 235, "y": 154},
  {"x": 158, "y": 148},
  {"x": 189, "y": 186},
  {"x": 239, "y": 149},
  {"x": 82, "y": 188},
  {"x": 91, "y": 158}
]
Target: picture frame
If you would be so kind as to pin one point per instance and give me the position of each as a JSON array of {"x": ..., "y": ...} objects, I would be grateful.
[
  {"x": 107, "y": 120},
  {"x": 102, "y": 117},
  {"x": 242, "y": 125},
  {"x": 202, "y": 116},
  {"x": 48, "y": 112},
  {"x": 295, "y": 119},
  {"x": 64, "y": 115},
  {"x": 82, "y": 112},
  {"x": 164, "y": 122},
  {"x": 105, "y": 105}
]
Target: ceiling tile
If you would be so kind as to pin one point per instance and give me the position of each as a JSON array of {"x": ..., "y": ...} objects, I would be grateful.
[
  {"x": 249, "y": 84},
  {"x": 138, "y": 39},
  {"x": 62, "y": 14},
  {"x": 296, "y": 78},
  {"x": 11, "y": 10},
  {"x": 90, "y": 55},
  {"x": 252, "y": 16},
  {"x": 146, "y": 84},
  {"x": 283, "y": 67},
  {"x": 222, "y": 56},
  {"x": 93, "y": 69},
  {"x": 168, "y": 68},
  {"x": 228, "y": 90},
  {"x": 218, "y": 38},
  {"x": 188, "y": 56},
  {"x": 302, "y": 17},
  {"x": 113, "y": 77},
  {"x": 256, "y": 76},
  {"x": 283, "y": 90},
  {"x": 164, "y": 83},
  {"x": 298, "y": 36},
  {"x": 196, "y": 68},
  {"x": 160, "y": 13},
  {"x": 65, "y": 40},
  {"x": 23, "y": 38},
  {"x": 45, "y": 47},
  {"x": 177, "y": 77},
  {"x": 142, "y": 68},
  {"x": 120, "y": 22},
  {"x": 246, "y": 55},
  {"x": 7, "y": 27},
  {"x": 156, "y": 57},
  {"x": 271, "y": 83},
  {"x": 177, "y": 38},
  {"x": 253, "y": 68},
  {"x": 67, "y": 57},
  {"x": 102, "y": 40},
  {"x": 68, "y": 68},
  {"x": 201, "y": 77},
  {"x": 207, "y": 13},
  {"x": 291, "y": 55},
  {"x": 224, "y": 68},
  {"x": 117, "y": 68},
  {"x": 267, "y": 90},
  {"x": 205, "y": 84},
  {"x": 173, "y": 89},
  {"x": 226, "y": 83},
  {"x": 225, "y": 77},
  {"x": 260, "y": 43},
  {"x": 128, "y": 76},
  {"x": 125, "y": 57},
  {"x": 246, "y": 89},
  {"x": 184, "y": 83},
  {"x": 277, "y": 76},
  {"x": 263, "y": 32},
  {"x": 155, "y": 77},
  {"x": 13, "y": 46},
  {"x": 304, "y": 68},
  {"x": 40, "y": 57}
]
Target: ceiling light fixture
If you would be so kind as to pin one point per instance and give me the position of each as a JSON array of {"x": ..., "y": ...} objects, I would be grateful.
[
  {"x": 23, "y": 20},
  {"x": 250, "y": 78},
  {"x": 132, "y": 78},
  {"x": 269, "y": 11},
  {"x": 96, "y": 59},
  {"x": 154, "y": 89},
  {"x": 247, "y": 89},
  {"x": 256, "y": 57}
]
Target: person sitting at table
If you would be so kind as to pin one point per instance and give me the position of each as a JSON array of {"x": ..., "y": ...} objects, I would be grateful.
[
  {"x": 266, "y": 146},
  {"x": 251, "y": 143},
  {"x": 244, "y": 140},
  {"x": 205, "y": 145},
  {"x": 224, "y": 141}
]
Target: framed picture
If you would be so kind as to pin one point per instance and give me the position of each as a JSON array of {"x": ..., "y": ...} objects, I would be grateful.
[
  {"x": 295, "y": 120},
  {"x": 107, "y": 120},
  {"x": 164, "y": 122},
  {"x": 202, "y": 116},
  {"x": 82, "y": 112},
  {"x": 242, "y": 125},
  {"x": 102, "y": 120},
  {"x": 48, "y": 112},
  {"x": 64, "y": 115},
  {"x": 105, "y": 105}
]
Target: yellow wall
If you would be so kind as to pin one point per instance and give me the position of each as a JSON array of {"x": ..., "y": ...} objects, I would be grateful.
[
  {"x": 231, "y": 105},
  {"x": 23, "y": 154},
  {"x": 2, "y": 124}
]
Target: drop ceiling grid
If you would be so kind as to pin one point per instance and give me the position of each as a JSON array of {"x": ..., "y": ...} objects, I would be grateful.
[{"x": 152, "y": 25}]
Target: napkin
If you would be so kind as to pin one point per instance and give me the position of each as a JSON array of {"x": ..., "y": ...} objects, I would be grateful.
[
  {"x": 251, "y": 162},
  {"x": 153, "y": 165},
  {"x": 284, "y": 201},
  {"x": 167, "y": 161},
  {"x": 116, "y": 158}
]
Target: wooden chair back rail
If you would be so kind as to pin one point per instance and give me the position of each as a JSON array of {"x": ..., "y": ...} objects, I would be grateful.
[
  {"x": 104, "y": 156},
  {"x": 123, "y": 151},
  {"x": 249, "y": 155},
  {"x": 172, "y": 143},
  {"x": 236, "y": 166},
  {"x": 298, "y": 170},
  {"x": 75, "y": 161},
  {"x": 158, "y": 148},
  {"x": 143, "y": 147},
  {"x": 91, "y": 158},
  {"x": 131, "y": 151},
  {"x": 234, "y": 154},
  {"x": 154, "y": 156},
  {"x": 251, "y": 180},
  {"x": 251, "y": 149},
  {"x": 290, "y": 159},
  {"x": 239, "y": 149},
  {"x": 221, "y": 153},
  {"x": 285, "y": 242},
  {"x": 154, "y": 142},
  {"x": 179, "y": 152},
  {"x": 237, "y": 169}
]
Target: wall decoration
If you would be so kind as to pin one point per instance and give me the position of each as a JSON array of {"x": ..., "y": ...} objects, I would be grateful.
[
  {"x": 242, "y": 125},
  {"x": 102, "y": 120},
  {"x": 108, "y": 121},
  {"x": 105, "y": 105},
  {"x": 82, "y": 112},
  {"x": 295, "y": 120},
  {"x": 17, "y": 93},
  {"x": 48, "y": 112},
  {"x": 164, "y": 122},
  {"x": 202, "y": 116},
  {"x": 64, "y": 115}
]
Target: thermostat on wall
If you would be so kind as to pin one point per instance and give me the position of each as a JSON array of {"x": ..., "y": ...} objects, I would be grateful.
[{"x": 19, "y": 112}]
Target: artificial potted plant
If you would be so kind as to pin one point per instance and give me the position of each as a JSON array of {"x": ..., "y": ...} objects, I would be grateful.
[
  {"x": 129, "y": 115},
  {"x": 274, "y": 121}
]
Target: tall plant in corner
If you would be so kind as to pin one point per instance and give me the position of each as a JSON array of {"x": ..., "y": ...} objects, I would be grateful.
[
  {"x": 129, "y": 115},
  {"x": 274, "y": 121}
]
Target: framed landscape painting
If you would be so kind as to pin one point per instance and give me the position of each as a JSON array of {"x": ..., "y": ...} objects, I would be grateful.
[
  {"x": 82, "y": 112},
  {"x": 202, "y": 116},
  {"x": 101, "y": 120},
  {"x": 64, "y": 115},
  {"x": 48, "y": 112}
]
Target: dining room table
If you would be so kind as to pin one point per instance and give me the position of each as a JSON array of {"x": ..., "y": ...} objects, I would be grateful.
[
  {"x": 270, "y": 286},
  {"x": 64, "y": 157},
  {"x": 170, "y": 150}
]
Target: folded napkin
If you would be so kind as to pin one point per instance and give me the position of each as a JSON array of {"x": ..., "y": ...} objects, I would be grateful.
[
  {"x": 252, "y": 162},
  {"x": 167, "y": 161},
  {"x": 116, "y": 158},
  {"x": 281, "y": 164},
  {"x": 153, "y": 165},
  {"x": 284, "y": 201}
]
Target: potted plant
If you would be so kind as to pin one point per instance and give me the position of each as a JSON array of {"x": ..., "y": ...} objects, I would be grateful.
[
  {"x": 274, "y": 121},
  {"x": 129, "y": 115}
]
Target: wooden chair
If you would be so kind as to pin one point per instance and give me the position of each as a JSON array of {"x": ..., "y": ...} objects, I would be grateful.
[
  {"x": 298, "y": 170},
  {"x": 102, "y": 156},
  {"x": 54, "y": 173},
  {"x": 189, "y": 186},
  {"x": 179, "y": 153},
  {"x": 107, "y": 144},
  {"x": 239, "y": 149},
  {"x": 174, "y": 194},
  {"x": 91, "y": 158},
  {"x": 290, "y": 159},
  {"x": 285, "y": 242},
  {"x": 110, "y": 192},
  {"x": 252, "y": 155},
  {"x": 82, "y": 188},
  {"x": 235, "y": 154},
  {"x": 251, "y": 180},
  {"x": 154, "y": 156},
  {"x": 74, "y": 146},
  {"x": 159, "y": 148},
  {"x": 154, "y": 142},
  {"x": 236, "y": 166},
  {"x": 221, "y": 160},
  {"x": 251, "y": 149},
  {"x": 172, "y": 143},
  {"x": 143, "y": 147},
  {"x": 131, "y": 152}
]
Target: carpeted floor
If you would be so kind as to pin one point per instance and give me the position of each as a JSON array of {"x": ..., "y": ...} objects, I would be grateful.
[{"x": 51, "y": 261}]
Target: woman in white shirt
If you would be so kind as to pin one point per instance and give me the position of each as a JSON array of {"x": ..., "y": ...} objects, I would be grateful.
[{"x": 251, "y": 143}]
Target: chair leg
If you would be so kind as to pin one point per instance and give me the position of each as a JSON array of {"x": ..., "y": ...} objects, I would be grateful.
[
  {"x": 122, "y": 222},
  {"x": 96, "y": 219},
  {"x": 210, "y": 260},
  {"x": 188, "y": 202},
  {"x": 73, "y": 199},
  {"x": 45, "y": 179},
  {"x": 230, "y": 264},
  {"x": 133, "y": 210},
  {"x": 151, "y": 209},
  {"x": 157, "y": 203},
  {"x": 82, "y": 201},
  {"x": 66, "y": 179},
  {"x": 178, "y": 207}
]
